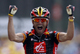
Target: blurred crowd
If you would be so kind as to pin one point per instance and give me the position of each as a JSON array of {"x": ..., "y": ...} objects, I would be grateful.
[
  {"x": 8, "y": 47},
  {"x": 68, "y": 47}
]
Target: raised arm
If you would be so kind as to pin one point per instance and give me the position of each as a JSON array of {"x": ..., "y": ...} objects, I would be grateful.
[
  {"x": 11, "y": 31},
  {"x": 70, "y": 30}
]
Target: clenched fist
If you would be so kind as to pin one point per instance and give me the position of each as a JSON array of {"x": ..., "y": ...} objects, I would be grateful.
[
  {"x": 70, "y": 10},
  {"x": 12, "y": 10}
]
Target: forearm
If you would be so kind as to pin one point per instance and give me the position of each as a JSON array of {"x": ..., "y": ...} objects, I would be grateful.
[
  {"x": 70, "y": 30},
  {"x": 11, "y": 31}
]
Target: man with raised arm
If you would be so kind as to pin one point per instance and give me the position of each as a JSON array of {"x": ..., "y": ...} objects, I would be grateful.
[{"x": 40, "y": 40}]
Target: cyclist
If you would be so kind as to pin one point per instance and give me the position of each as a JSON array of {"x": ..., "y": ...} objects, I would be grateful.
[{"x": 40, "y": 40}]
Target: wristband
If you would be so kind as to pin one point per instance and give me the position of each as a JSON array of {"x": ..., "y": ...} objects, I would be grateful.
[
  {"x": 10, "y": 14},
  {"x": 71, "y": 20}
]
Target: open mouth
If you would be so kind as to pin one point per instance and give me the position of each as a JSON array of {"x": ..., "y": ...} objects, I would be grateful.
[{"x": 40, "y": 27}]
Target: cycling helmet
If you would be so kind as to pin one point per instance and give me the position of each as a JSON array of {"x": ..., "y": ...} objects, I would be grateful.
[{"x": 40, "y": 12}]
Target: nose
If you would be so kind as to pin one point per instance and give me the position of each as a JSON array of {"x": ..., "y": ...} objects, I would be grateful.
[{"x": 40, "y": 21}]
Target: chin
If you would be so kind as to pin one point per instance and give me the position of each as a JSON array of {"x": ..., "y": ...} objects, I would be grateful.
[{"x": 40, "y": 32}]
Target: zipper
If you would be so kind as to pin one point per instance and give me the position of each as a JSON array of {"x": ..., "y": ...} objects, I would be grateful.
[{"x": 38, "y": 37}]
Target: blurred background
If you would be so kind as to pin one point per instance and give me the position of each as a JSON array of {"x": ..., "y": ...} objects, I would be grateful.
[{"x": 22, "y": 22}]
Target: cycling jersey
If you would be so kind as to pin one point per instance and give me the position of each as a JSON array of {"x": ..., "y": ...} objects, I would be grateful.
[{"x": 45, "y": 44}]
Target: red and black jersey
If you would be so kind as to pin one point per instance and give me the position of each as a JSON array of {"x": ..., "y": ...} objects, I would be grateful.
[{"x": 45, "y": 44}]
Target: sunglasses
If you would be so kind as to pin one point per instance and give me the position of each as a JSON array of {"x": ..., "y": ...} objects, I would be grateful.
[{"x": 40, "y": 19}]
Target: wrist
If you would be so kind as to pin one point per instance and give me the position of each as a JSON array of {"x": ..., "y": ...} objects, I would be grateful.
[
  {"x": 10, "y": 14},
  {"x": 71, "y": 18}
]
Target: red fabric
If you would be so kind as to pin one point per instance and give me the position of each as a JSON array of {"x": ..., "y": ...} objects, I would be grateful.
[
  {"x": 39, "y": 47},
  {"x": 54, "y": 32},
  {"x": 46, "y": 30},
  {"x": 26, "y": 32},
  {"x": 25, "y": 49},
  {"x": 55, "y": 48}
]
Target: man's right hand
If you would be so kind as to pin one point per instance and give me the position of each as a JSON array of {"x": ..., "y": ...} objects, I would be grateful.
[
  {"x": 70, "y": 9},
  {"x": 12, "y": 10}
]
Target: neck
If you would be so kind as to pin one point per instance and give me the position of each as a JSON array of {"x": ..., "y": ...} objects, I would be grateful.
[{"x": 38, "y": 34}]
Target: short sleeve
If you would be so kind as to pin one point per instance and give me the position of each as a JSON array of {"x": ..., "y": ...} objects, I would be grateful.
[
  {"x": 24, "y": 35},
  {"x": 56, "y": 37}
]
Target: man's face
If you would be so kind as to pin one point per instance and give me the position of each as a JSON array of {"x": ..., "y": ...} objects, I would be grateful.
[{"x": 40, "y": 24}]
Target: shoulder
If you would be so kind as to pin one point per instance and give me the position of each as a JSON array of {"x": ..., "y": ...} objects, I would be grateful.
[
  {"x": 26, "y": 32},
  {"x": 32, "y": 32},
  {"x": 53, "y": 32}
]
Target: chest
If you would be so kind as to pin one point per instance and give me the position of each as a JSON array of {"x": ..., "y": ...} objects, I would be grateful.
[
  {"x": 43, "y": 38},
  {"x": 42, "y": 44},
  {"x": 44, "y": 41}
]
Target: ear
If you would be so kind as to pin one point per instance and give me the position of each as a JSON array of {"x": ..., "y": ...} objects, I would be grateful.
[
  {"x": 32, "y": 21},
  {"x": 47, "y": 22}
]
